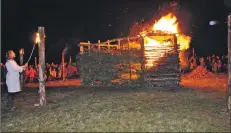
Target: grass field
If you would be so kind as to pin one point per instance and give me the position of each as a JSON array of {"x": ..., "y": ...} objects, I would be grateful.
[{"x": 106, "y": 110}]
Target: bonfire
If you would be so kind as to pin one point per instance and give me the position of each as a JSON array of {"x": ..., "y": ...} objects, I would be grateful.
[{"x": 167, "y": 24}]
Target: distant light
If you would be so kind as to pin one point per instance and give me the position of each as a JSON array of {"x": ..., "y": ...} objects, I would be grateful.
[{"x": 213, "y": 22}]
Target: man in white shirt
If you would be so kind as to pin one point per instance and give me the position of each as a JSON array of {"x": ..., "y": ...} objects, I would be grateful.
[{"x": 12, "y": 78}]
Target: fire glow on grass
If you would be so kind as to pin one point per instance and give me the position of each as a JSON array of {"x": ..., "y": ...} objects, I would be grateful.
[{"x": 167, "y": 24}]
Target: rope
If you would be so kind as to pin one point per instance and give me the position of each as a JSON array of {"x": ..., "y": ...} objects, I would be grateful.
[{"x": 31, "y": 53}]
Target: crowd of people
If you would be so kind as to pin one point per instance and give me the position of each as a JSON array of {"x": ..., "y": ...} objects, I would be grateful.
[
  {"x": 216, "y": 64},
  {"x": 52, "y": 72}
]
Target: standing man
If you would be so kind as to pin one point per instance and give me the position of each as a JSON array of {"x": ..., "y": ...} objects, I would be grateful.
[{"x": 12, "y": 78}]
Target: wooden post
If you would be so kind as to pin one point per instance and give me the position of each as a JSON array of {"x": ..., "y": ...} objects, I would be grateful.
[
  {"x": 119, "y": 44},
  {"x": 108, "y": 44},
  {"x": 98, "y": 44},
  {"x": 70, "y": 61},
  {"x": 81, "y": 49},
  {"x": 42, "y": 92},
  {"x": 229, "y": 61},
  {"x": 35, "y": 61},
  {"x": 175, "y": 44},
  {"x": 128, "y": 43},
  {"x": 63, "y": 67},
  {"x": 143, "y": 60},
  {"x": 89, "y": 46},
  {"x": 193, "y": 52},
  {"x": 76, "y": 63},
  {"x": 176, "y": 50},
  {"x": 21, "y": 53}
]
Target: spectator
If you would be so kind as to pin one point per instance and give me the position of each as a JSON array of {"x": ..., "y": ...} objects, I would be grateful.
[{"x": 32, "y": 74}]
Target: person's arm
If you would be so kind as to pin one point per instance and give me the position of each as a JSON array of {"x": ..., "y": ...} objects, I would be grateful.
[{"x": 13, "y": 66}]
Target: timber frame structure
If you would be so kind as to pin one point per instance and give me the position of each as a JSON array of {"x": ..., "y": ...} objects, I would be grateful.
[{"x": 167, "y": 73}]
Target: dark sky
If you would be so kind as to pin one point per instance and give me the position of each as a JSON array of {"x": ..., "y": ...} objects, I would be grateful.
[{"x": 71, "y": 21}]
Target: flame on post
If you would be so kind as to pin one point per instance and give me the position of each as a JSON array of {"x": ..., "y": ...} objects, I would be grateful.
[
  {"x": 37, "y": 40},
  {"x": 21, "y": 51}
]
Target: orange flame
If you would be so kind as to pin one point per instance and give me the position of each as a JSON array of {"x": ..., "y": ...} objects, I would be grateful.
[
  {"x": 167, "y": 24},
  {"x": 37, "y": 40}
]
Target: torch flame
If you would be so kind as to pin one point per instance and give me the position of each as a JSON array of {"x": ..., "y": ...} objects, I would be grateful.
[{"x": 37, "y": 40}]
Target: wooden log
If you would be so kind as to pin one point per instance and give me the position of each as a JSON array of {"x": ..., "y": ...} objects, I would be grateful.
[
  {"x": 161, "y": 74},
  {"x": 42, "y": 92},
  {"x": 162, "y": 79},
  {"x": 21, "y": 53}
]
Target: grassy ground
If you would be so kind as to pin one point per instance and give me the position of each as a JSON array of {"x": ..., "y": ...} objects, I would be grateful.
[{"x": 98, "y": 109}]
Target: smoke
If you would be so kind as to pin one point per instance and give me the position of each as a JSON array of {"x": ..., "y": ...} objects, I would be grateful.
[
  {"x": 65, "y": 50},
  {"x": 227, "y": 3}
]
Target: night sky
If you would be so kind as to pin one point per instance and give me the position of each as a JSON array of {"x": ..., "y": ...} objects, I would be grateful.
[{"x": 72, "y": 21}]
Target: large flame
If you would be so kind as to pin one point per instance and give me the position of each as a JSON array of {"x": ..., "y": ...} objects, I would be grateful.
[{"x": 167, "y": 24}]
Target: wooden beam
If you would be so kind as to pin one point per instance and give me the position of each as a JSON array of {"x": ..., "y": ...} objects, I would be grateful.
[{"x": 42, "y": 92}]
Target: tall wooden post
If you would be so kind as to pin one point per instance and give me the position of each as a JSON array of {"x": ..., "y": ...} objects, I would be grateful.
[
  {"x": 98, "y": 44},
  {"x": 42, "y": 92},
  {"x": 63, "y": 67},
  {"x": 35, "y": 61},
  {"x": 229, "y": 61},
  {"x": 143, "y": 60},
  {"x": 21, "y": 53}
]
